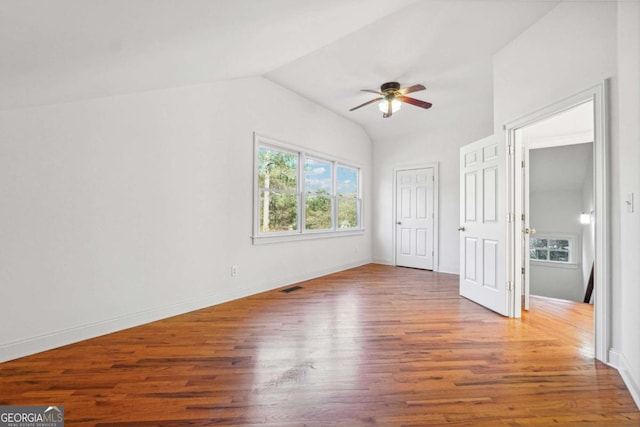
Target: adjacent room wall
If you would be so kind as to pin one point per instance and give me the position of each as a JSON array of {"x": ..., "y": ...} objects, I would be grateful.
[
  {"x": 118, "y": 211},
  {"x": 557, "y": 212},
  {"x": 576, "y": 46}
]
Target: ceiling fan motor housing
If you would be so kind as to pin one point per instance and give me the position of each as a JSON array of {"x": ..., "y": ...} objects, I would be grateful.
[{"x": 390, "y": 86}]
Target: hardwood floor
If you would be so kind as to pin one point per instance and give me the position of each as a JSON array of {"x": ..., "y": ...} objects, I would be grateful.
[{"x": 374, "y": 345}]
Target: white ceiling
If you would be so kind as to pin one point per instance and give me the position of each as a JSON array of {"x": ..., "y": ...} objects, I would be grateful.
[{"x": 66, "y": 50}]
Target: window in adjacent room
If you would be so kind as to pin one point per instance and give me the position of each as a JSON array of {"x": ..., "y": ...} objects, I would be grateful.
[{"x": 551, "y": 248}]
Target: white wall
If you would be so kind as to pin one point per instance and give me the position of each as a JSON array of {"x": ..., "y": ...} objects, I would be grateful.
[
  {"x": 122, "y": 210},
  {"x": 447, "y": 128},
  {"x": 557, "y": 212},
  {"x": 572, "y": 48},
  {"x": 626, "y": 170}
]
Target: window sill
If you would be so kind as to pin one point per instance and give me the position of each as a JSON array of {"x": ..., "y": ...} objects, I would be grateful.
[
  {"x": 280, "y": 238},
  {"x": 569, "y": 265}
]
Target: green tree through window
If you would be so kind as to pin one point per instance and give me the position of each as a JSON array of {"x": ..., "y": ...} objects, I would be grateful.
[
  {"x": 318, "y": 184},
  {"x": 348, "y": 202},
  {"x": 278, "y": 183}
]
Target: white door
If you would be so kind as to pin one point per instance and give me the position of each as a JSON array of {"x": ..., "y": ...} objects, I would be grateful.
[
  {"x": 483, "y": 223},
  {"x": 415, "y": 218}
]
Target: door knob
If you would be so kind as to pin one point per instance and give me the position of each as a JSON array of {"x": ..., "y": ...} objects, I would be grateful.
[
  {"x": 461, "y": 228},
  {"x": 399, "y": 222}
]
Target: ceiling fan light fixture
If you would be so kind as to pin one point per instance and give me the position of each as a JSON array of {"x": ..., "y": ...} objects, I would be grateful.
[
  {"x": 384, "y": 106},
  {"x": 391, "y": 96}
]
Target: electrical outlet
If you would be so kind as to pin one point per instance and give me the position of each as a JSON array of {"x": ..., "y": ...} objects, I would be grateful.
[{"x": 234, "y": 270}]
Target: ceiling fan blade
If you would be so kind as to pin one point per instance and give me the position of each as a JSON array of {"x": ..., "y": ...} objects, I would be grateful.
[
  {"x": 410, "y": 89},
  {"x": 413, "y": 101},
  {"x": 366, "y": 103},
  {"x": 377, "y": 92}
]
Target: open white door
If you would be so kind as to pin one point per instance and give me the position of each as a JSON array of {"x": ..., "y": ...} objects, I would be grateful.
[{"x": 483, "y": 223}]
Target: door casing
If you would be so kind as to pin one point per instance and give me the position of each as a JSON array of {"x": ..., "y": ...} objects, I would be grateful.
[{"x": 602, "y": 316}]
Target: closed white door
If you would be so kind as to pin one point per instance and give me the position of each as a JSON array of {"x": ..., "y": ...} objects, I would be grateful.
[
  {"x": 483, "y": 227},
  {"x": 415, "y": 218}
]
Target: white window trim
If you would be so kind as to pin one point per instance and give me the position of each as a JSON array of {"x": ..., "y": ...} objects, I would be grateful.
[{"x": 302, "y": 234}]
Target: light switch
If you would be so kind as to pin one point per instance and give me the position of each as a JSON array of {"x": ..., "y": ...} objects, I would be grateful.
[{"x": 629, "y": 202}]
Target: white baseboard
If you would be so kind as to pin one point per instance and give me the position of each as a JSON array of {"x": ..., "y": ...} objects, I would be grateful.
[
  {"x": 619, "y": 361},
  {"x": 448, "y": 269},
  {"x": 382, "y": 261},
  {"x": 290, "y": 280},
  {"x": 37, "y": 344},
  {"x": 439, "y": 269}
]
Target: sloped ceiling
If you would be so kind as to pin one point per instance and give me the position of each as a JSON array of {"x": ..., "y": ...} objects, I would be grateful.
[{"x": 67, "y": 50}]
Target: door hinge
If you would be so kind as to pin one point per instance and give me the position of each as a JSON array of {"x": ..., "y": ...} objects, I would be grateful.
[
  {"x": 509, "y": 150},
  {"x": 510, "y": 217},
  {"x": 523, "y": 217},
  {"x": 523, "y": 270},
  {"x": 510, "y": 286},
  {"x": 522, "y": 163}
]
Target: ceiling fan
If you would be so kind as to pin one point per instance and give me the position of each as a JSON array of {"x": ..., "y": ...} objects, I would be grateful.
[{"x": 391, "y": 97}]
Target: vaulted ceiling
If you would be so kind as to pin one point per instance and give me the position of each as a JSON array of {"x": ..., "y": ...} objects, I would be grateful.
[{"x": 326, "y": 51}]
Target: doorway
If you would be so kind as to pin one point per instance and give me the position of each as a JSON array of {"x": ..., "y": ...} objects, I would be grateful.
[
  {"x": 559, "y": 258},
  {"x": 591, "y": 102},
  {"x": 415, "y": 230},
  {"x": 557, "y": 178}
]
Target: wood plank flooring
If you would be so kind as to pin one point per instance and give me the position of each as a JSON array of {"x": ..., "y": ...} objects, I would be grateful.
[{"x": 374, "y": 345}]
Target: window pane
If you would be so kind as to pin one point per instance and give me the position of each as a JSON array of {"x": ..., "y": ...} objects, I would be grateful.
[
  {"x": 537, "y": 243},
  {"x": 317, "y": 177},
  {"x": 559, "y": 244},
  {"x": 559, "y": 256},
  {"x": 347, "y": 181},
  {"x": 538, "y": 254},
  {"x": 277, "y": 170},
  {"x": 318, "y": 212},
  {"x": 348, "y": 202},
  {"x": 348, "y": 212},
  {"x": 278, "y": 211}
]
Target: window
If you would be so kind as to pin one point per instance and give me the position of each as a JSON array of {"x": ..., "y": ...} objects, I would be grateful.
[
  {"x": 299, "y": 193},
  {"x": 551, "y": 248},
  {"x": 348, "y": 201},
  {"x": 278, "y": 188},
  {"x": 318, "y": 185}
]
